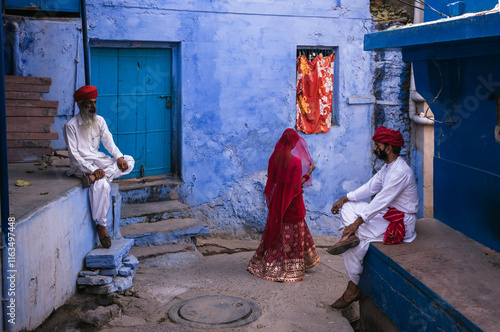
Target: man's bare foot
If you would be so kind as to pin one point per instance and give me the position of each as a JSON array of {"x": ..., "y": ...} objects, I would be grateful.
[{"x": 104, "y": 237}]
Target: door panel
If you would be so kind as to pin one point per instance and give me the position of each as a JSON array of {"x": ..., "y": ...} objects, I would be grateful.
[{"x": 133, "y": 85}]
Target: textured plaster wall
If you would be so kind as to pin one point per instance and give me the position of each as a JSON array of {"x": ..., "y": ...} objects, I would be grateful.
[
  {"x": 51, "y": 244},
  {"x": 237, "y": 81},
  {"x": 50, "y": 253}
]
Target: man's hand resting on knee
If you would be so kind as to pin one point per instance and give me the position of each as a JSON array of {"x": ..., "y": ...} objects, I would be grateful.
[
  {"x": 99, "y": 174},
  {"x": 338, "y": 205},
  {"x": 352, "y": 228},
  {"x": 122, "y": 164}
]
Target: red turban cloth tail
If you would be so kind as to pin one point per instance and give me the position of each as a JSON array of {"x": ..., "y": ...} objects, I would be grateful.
[
  {"x": 86, "y": 92},
  {"x": 388, "y": 136}
]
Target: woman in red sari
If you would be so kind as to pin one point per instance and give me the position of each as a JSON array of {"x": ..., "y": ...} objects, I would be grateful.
[{"x": 287, "y": 248}]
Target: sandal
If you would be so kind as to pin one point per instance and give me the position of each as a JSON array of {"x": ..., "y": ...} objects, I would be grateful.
[
  {"x": 343, "y": 245},
  {"x": 104, "y": 238},
  {"x": 85, "y": 180}
]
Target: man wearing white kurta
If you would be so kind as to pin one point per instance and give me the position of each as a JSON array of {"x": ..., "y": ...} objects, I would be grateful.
[
  {"x": 395, "y": 193},
  {"x": 83, "y": 134}
]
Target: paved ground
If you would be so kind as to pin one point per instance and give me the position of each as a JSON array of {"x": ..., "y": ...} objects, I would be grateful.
[{"x": 165, "y": 280}]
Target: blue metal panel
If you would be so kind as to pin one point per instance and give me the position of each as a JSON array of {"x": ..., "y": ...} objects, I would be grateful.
[
  {"x": 466, "y": 155},
  {"x": 471, "y": 6},
  {"x": 133, "y": 88},
  {"x": 467, "y": 199},
  {"x": 46, "y": 5},
  {"x": 467, "y": 32},
  {"x": 22, "y": 4}
]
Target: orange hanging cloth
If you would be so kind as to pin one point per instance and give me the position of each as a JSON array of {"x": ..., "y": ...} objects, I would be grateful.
[{"x": 314, "y": 94}]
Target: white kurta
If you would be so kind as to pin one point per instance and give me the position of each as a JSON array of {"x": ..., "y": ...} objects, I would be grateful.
[
  {"x": 85, "y": 157},
  {"x": 394, "y": 186}
]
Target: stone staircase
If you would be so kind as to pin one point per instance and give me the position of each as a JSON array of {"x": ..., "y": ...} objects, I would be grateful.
[
  {"x": 152, "y": 215},
  {"x": 29, "y": 118}
]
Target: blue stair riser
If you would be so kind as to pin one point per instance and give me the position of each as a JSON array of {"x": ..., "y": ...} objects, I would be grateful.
[
  {"x": 158, "y": 239},
  {"x": 156, "y": 193},
  {"x": 154, "y": 217}
]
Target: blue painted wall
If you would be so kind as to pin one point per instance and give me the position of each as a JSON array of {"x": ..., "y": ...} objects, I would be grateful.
[
  {"x": 51, "y": 244},
  {"x": 236, "y": 75}
]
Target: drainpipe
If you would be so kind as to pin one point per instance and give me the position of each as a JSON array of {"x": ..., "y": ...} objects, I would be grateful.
[
  {"x": 417, "y": 102},
  {"x": 416, "y": 105},
  {"x": 13, "y": 38},
  {"x": 86, "y": 50},
  {"x": 4, "y": 179},
  {"x": 77, "y": 61}
]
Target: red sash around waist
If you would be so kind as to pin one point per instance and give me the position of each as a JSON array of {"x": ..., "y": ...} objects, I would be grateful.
[{"x": 395, "y": 232}]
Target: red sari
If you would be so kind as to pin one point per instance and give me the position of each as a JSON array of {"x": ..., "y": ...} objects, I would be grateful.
[{"x": 287, "y": 248}]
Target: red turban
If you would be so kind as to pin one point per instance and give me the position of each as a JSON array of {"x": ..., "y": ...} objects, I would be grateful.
[
  {"x": 86, "y": 92},
  {"x": 388, "y": 136}
]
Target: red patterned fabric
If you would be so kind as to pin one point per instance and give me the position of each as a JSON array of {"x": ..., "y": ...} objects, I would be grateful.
[
  {"x": 314, "y": 94},
  {"x": 289, "y": 161},
  {"x": 86, "y": 92},
  {"x": 287, "y": 261},
  {"x": 395, "y": 232},
  {"x": 388, "y": 136}
]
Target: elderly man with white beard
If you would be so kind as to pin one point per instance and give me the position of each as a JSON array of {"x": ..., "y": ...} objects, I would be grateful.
[{"x": 83, "y": 134}]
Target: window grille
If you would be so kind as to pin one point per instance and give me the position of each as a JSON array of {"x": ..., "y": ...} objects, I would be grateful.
[{"x": 311, "y": 52}]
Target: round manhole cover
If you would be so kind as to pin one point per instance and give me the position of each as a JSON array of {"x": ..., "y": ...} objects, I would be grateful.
[{"x": 214, "y": 311}]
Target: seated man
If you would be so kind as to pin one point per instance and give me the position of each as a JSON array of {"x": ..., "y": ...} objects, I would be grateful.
[
  {"x": 83, "y": 134},
  {"x": 389, "y": 217}
]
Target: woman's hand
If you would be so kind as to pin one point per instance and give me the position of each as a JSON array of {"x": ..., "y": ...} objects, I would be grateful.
[{"x": 311, "y": 168}]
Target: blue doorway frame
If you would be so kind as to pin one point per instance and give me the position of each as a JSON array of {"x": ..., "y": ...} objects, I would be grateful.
[{"x": 139, "y": 98}]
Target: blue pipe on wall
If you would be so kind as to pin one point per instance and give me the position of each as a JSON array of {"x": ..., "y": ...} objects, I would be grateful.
[
  {"x": 86, "y": 50},
  {"x": 4, "y": 175},
  {"x": 13, "y": 39}
]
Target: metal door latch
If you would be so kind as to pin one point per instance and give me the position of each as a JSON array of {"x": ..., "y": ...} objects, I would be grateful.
[{"x": 169, "y": 100}]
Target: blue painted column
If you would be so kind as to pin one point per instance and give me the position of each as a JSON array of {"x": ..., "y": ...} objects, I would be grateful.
[{"x": 4, "y": 171}]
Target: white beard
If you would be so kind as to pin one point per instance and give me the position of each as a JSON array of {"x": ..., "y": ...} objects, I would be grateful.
[{"x": 90, "y": 123}]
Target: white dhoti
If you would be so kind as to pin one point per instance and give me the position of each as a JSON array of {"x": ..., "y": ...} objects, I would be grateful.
[
  {"x": 371, "y": 231},
  {"x": 99, "y": 190}
]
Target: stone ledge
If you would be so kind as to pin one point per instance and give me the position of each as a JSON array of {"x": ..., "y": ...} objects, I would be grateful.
[
  {"x": 444, "y": 277},
  {"x": 109, "y": 258}
]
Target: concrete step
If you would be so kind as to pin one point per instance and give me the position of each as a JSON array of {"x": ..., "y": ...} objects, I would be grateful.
[
  {"x": 164, "y": 231},
  {"x": 152, "y": 212},
  {"x": 149, "y": 189},
  {"x": 102, "y": 258}
]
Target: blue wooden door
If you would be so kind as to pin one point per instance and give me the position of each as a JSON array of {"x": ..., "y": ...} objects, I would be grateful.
[{"x": 135, "y": 99}]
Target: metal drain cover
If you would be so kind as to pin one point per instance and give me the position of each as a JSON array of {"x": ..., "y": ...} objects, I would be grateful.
[{"x": 214, "y": 311}]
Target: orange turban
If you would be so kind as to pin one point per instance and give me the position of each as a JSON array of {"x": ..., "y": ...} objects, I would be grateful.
[
  {"x": 388, "y": 136},
  {"x": 86, "y": 92}
]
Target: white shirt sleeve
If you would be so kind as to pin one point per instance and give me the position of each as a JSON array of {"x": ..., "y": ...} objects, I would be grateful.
[
  {"x": 107, "y": 139},
  {"x": 70, "y": 135},
  {"x": 394, "y": 185},
  {"x": 373, "y": 186}
]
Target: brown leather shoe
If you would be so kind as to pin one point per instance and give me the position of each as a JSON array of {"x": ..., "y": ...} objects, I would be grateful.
[
  {"x": 351, "y": 294},
  {"x": 343, "y": 245},
  {"x": 104, "y": 238},
  {"x": 87, "y": 180}
]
